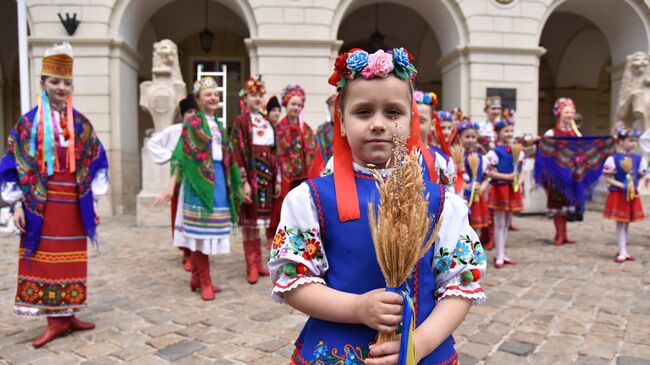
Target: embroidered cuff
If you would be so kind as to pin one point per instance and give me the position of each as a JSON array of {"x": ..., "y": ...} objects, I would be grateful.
[
  {"x": 286, "y": 284},
  {"x": 454, "y": 287}
]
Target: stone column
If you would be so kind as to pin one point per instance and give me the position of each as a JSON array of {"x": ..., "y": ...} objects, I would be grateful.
[{"x": 159, "y": 97}]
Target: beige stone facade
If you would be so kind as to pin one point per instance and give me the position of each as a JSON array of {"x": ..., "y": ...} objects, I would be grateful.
[{"x": 543, "y": 49}]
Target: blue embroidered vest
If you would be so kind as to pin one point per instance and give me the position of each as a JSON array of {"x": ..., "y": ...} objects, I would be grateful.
[
  {"x": 620, "y": 174},
  {"x": 353, "y": 268},
  {"x": 505, "y": 165}
]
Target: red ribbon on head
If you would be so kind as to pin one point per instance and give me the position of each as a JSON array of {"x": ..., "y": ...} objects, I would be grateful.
[
  {"x": 345, "y": 185},
  {"x": 444, "y": 146}
]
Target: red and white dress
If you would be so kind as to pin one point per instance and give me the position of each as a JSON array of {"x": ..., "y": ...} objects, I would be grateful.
[
  {"x": 619, "y": 206},
  {"x": 502, "y": 193}
]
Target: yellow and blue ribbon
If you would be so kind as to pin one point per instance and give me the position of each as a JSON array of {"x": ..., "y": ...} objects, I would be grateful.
[{"x": 407, "y": 344}]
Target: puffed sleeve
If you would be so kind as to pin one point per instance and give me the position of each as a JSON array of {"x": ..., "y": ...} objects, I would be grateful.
[
  {"x": 549, "y": 133},
  {"x": 99, "y": 185},
  {"x": 492, "y": 160},
  {"x": 10, "y": 192},
  {"x": 297, "y": 255},
  {"x": 161, "y": 145},
  {"x": 609, "y": 167},
  {"x": 459, "y": 260}
]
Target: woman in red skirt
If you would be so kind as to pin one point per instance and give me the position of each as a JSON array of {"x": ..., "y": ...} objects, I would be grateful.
[
  {"x": 54, "y": 169},
  {"x": 622, "y": 172},
  {"x": 254, "y": 150},
  {"x": 475, "y": 176},
  {"x": 505, "y": 185}
]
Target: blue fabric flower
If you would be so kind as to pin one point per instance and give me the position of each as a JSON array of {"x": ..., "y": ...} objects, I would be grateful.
[
  {"x": 479, "y": 254},
  {"x": 401, "y": 58},
  {"x": 357, "y": 61},
  {"x": 444, "y": 264},
  {"x": 462, "y": 250},
  {"x": 426, "y": 98},
  {"x": 321, "y": 350}
]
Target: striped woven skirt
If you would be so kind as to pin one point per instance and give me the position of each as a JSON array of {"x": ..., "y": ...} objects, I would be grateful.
[
  {"x": 52, "y": 282},
  {"x": 198, "y": 230}
]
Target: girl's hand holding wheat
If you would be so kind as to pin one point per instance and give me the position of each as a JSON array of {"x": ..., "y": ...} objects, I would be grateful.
[
  {"x": 386, "y": 353},
  {"x": 380, "y": 310}
]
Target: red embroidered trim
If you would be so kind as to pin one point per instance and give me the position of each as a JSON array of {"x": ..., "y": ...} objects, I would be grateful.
[
  {"x": 456, "y": 287},
  {"x": 321, "y": 218},
  {"x": 453, "y": 360},
  {"x": 289, "y": 283},
  {"x": 364, "y": 176},
  {"x": 296, "y": 359}
]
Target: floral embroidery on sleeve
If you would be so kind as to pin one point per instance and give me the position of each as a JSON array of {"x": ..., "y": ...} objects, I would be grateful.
[{"x": 459, "y": 260}]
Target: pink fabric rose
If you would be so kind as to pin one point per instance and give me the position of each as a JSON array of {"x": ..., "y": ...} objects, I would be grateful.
[{"x": 380, "y": 63}]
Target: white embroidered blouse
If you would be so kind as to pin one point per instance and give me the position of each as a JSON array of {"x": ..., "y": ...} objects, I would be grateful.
[{"x": 299, "y": 213}]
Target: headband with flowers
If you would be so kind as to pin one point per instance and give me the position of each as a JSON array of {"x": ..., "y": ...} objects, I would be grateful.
[
  {"x": 290, "y": 91},
  {"x": 625, "y": 132},
  {"x": 562, "y": 103},
  {"x": 467, "y": 125},
  {"x": 445, "y": 116},
  {"x": 254, "y": 85},
  {"x": 203, "y": 84},
  {"x": 357, "y": 62},
  {"x": 428, "y": 98},
  {"x": 507, "y": 118}
]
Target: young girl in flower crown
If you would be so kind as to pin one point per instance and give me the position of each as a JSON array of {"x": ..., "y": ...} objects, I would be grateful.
[
  {"x": 504, "y": 172},
  {"x": 622, "y": 172},
  {"x": 445, "y": 166},
  {"x": 474, "y": 175},
  {"x": 323, "y": 260}
]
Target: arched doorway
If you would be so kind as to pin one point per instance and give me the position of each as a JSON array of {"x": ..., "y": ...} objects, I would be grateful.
[
  {"x": 134, "y": 26},
  {"x": 586, "y": 43},
  {"x": 227, "y": 46},
  {"x": 432, "y": 33}
]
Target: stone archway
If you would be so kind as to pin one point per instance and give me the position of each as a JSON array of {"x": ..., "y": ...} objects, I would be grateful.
[
  {"x": 436, "y": 32},
  {"x": 586, "y": 43},
  {"x": 131, "y": 29}
]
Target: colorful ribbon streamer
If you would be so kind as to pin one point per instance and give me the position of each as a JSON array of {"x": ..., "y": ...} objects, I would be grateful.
[{"x": 407, "y": 344}]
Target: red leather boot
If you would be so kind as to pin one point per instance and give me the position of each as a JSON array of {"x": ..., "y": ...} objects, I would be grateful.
[
  {"x": 56, "y": 326},
  {"x": 79, "y": 325},
  {"x": 250, "y": 254},
  {"x": 565, "y": 234},
  {"x": 187, "y": 261},
  {"x": 195, "y": 281},
  {"x": 202, "y": 263},
  {"x": 560, "y": 226},
  {"x": 261, "y": 268}
]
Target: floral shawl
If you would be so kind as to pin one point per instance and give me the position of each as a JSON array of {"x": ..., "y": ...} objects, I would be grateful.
[
  {"x": 193, "y": 157},
  {"x": 18, "y": 166}
]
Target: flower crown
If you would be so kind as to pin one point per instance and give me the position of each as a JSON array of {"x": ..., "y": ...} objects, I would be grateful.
[
  {"x": 254, "y": 85},
  {"x": 357, "y": 62},
  {"x": 202, "y": 84},
  {"x": 507, "y": 118},
  {"x": 562, "y": 103},
  {"x": 467, "y": 125},
  {"x": 290, "y": 91},
  {"x": 445, "y": 116},
  {"x": 428, "y": 98},
  {"x": 624, "y": 132}
]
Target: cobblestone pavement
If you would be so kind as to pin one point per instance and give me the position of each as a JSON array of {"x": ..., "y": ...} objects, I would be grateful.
[{"x": 559, "y": 305}]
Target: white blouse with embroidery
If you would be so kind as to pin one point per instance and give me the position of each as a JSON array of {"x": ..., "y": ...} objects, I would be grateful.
[
  {"x": 609, "y": 167},
  {"x": 263, "y": 134},
  {"x": 486, "y": 165},
  {"x": 453, "y": 277},
  {"x": 447, "y": 168},
  {"x": 493, "y": 159}
]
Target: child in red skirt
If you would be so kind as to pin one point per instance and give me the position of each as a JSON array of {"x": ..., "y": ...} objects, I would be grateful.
[
  {"x": 622, "y": 172},
  {"x": 475, "y": 176},
  {"x": 505, "y": 185}
]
